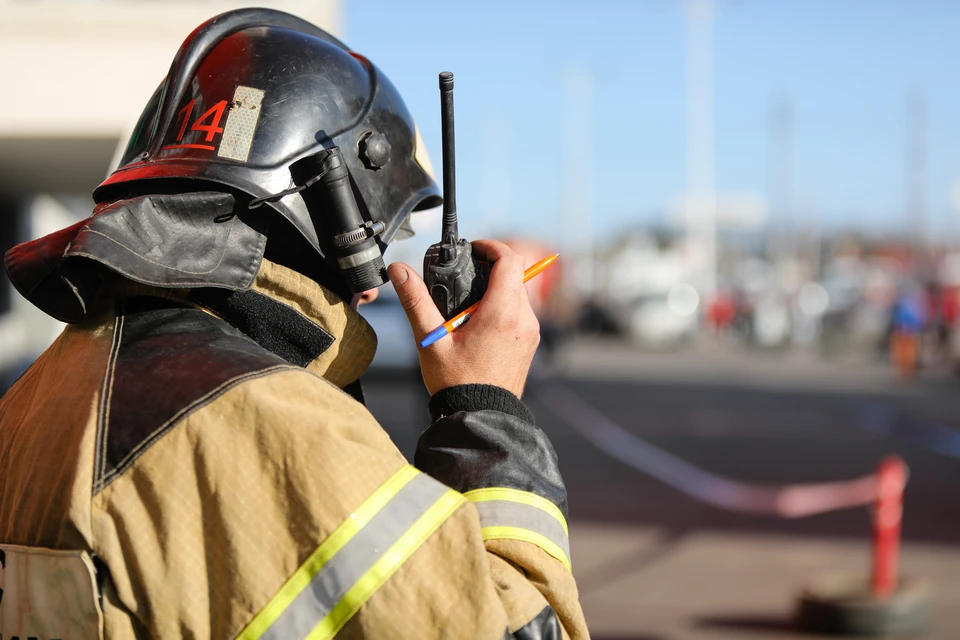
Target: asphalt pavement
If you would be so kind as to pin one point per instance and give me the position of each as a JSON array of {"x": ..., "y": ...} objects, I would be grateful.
[{"x": 654, "y": 562}]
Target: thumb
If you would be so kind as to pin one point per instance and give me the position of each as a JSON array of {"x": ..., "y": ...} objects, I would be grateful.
[{"x": 422, "y": 313}]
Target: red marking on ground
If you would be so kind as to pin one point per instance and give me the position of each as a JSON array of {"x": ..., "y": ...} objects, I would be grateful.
[{"x": 206, "y": 147}]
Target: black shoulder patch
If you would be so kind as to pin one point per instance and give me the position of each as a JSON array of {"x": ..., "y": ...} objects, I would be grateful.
[
  {"x": 166, "y": 361},
  {"x": 274, "y": 326}
]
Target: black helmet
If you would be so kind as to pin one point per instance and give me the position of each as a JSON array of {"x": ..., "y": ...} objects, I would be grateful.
[{"x": 271, "y": 106}]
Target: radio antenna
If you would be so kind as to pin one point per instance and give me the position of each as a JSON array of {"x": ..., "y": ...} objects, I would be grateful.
[{"x": 450, "y": 231}]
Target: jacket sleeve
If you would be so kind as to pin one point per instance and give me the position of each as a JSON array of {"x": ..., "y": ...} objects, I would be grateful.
[
  {"x": 483, "y": 442},
  {"x": 280, "y": 509}
]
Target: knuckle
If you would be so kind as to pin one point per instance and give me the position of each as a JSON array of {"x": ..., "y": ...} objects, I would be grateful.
[
  {"x": 506, "y": 320},
  {"x": 412, "y": 303},
  {"x": 533, "y": 330},
  {"x": 535, "y": 326},
  {"x": 515, "y": 261},
  {"x": 511, "y": 272},
  {"x": 507, "y": 259},
  {"x": 497, "y": 247}
]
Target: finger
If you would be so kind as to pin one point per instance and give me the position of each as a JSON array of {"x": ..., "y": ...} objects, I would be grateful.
[
  {"x": 422, "y": 313},
  {"x": 490, "y": 250},
  {"x": 506, "y": 275}
]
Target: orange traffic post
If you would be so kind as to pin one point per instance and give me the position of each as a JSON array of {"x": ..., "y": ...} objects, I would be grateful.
[
  {"x": 884, "y": 602},
  {"x": 887, "y": 519}
]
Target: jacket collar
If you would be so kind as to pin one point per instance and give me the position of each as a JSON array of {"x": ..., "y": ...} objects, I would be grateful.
[{"x": 299, "y": 320}]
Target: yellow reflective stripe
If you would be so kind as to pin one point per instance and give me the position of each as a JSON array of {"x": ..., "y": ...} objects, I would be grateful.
[
  {"x": 387, "y": 565},
  {"x": 523, "y": 497},
  {"x": 327, "y": 549},
  {"x": 525, "y": 535}
]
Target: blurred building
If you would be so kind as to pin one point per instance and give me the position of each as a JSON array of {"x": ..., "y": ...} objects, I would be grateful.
[{"x": 76, "y": 75}]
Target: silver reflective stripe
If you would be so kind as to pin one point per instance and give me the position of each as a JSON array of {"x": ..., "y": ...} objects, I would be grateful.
[
  {"x": 356, "y": 558},
  {"x": 505, "y": 513},
  {"x": 356, "y": 259}
]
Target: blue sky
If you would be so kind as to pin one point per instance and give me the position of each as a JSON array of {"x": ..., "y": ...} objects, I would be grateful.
[{"x": 846, "y": 67}]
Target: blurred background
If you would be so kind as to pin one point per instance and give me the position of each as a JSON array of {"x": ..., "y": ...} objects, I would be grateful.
[{"x": 757, "y": 207}]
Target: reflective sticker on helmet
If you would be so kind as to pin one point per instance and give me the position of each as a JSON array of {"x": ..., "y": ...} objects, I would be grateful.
[
  {"x": 241, "y": 124},
  {"x": 420, "y": 153}
]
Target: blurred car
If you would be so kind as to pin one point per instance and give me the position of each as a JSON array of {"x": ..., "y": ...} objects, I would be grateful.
[
  {"x": 771, "y": 322},
  {"x": 597, "y": 318},
  {"x": 664, "y": 318}
]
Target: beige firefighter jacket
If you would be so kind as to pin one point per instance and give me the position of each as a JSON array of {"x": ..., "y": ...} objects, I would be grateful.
[{"x": 216, "y": 490}]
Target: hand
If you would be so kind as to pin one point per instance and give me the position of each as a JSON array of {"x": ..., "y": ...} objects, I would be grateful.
[{"x": 497, "y": 344}]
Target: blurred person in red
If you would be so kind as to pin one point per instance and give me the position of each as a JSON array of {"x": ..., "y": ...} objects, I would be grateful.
[{"x": 721, "y": 312}]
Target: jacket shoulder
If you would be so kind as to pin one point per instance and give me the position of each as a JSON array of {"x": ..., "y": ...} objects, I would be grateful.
[{"x": 166, "y": 361}]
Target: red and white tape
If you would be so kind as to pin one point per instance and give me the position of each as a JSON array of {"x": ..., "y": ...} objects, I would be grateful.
[{"x": 784, "y": 501}]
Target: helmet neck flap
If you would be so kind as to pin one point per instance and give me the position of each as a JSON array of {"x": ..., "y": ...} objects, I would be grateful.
[{"x": 126, "y": 249}]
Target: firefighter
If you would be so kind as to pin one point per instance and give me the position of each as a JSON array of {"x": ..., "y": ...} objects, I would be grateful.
[{"x": 192, "y": 458}]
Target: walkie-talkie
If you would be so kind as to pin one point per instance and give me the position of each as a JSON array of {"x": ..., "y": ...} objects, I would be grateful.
[{"x": 454, "y": 276}]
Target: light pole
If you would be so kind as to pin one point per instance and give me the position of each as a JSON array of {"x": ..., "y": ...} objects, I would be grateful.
[
  {"x": 577, "y": 239},
  {"x": 701, "y": 219}
]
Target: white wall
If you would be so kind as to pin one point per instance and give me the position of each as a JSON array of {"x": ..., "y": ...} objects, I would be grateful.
[
  {"x": 75, "y": 76},
  {"x": 86, "y": 69}
]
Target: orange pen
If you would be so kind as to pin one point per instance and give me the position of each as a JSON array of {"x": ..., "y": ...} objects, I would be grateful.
[{"x": 451, "y": 325}]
